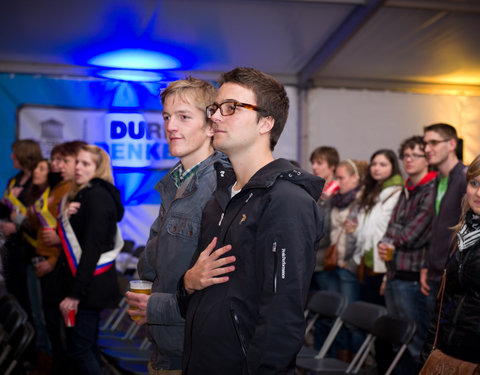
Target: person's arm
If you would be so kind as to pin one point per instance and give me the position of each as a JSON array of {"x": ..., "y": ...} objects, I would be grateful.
[
  {"x": 288, "y": 235},
  {"x": 98, "y": 211},
  {"x": 408, "y": 235},
  {"x": 146, "y": 270}
]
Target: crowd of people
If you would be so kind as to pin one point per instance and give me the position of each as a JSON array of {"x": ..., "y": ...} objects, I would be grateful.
[
  {"x": 241, "y": 240},
  {"x": 394, "y": 237},
  {"x": 59, "y": 219}
]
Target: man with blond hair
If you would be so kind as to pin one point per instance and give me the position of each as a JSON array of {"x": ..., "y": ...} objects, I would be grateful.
[{"x": 184, "y": 191}]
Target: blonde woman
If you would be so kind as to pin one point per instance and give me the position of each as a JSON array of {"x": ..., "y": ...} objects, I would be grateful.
[
  {"x": 90, "y": 242},
  {"x": 458, "y": 329}
]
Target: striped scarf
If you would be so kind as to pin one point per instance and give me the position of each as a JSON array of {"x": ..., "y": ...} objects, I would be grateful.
[{"x": 470, "y": 232}]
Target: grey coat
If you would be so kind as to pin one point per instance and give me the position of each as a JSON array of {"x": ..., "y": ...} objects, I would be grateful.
[{"x": 173, "y": 240}]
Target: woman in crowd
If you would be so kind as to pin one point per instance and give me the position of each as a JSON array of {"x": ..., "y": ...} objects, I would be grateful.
[
  {"x": 25, "y": 155},
  {"x": 90, "y": 242},
  {"x": 458, "y": 329},
  {"x": 343, "y": 279},
  {"x": 382, "y": 187},
  {"x": 381, "y": 190}
]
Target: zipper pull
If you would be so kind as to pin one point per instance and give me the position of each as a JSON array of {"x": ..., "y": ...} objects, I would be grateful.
[{"x": 221, "y": 219}]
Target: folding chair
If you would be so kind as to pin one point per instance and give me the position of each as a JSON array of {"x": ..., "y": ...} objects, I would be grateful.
[
  {"x": 361, "y": 315},
  {"x": 329, "y": 305},
  {"x": 17, "y": 344},
  {"x": 396, "y": 330}
]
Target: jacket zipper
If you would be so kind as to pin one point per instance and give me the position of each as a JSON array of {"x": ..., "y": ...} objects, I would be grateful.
[
  {"x": 275, "y": 259},
  {"x": 239, "y": 332}
]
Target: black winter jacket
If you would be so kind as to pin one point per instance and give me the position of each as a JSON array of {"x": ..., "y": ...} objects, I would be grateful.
[
  {"x": 459, "y": 331},
  {"x": 95, "y": 225},
  {"x": 254, "y": 323}
]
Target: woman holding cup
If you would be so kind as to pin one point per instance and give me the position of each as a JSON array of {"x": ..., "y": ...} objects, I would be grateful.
[{"x": 90, "y": 241}]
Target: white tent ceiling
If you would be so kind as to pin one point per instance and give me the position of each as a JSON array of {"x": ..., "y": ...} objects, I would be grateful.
[{"x": 395, "y": 44}]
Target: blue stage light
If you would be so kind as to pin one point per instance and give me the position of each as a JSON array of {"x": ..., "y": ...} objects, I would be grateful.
[
  {"x": 135, "y": 58},
  {"x": 130, "y": 75}
]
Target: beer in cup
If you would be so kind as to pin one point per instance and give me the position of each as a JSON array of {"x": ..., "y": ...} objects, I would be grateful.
[
  {"x": 389, "y": 248},
  {"x": 140, "y": 286}
]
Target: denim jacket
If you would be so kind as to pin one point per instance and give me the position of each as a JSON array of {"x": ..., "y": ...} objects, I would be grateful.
[{"x": 173, "y": 240}]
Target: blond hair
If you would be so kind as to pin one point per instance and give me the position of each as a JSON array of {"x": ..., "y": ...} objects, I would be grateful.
[
  {"x": 103, "y": 168},
  {"x": 473, "y": 171},
  {"x": 191, "y": 90}
]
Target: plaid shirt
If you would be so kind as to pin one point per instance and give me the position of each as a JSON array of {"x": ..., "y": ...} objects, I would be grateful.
[
  {"x": 178, "y": 174},
  {"x": 410, "y": 226}
]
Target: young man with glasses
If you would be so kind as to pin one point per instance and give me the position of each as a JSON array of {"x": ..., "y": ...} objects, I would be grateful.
[
  {"x": 440, "y": 147},
  {"x": 184, "y": 190},
  {"x": 244, "y": 311},
  {"x": 408, "y": 237}
]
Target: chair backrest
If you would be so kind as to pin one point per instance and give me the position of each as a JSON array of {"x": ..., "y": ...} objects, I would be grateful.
[
  {"x": 396, "y": 330},
  {"x": 363, "y": 315},
  {"x": 327, "y": 304}
]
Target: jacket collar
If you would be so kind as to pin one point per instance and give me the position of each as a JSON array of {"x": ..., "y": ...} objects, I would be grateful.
[{"x": 430, "y": 176}]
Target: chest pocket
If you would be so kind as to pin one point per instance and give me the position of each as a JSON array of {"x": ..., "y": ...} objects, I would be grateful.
[{"x": 184, "y": 227}]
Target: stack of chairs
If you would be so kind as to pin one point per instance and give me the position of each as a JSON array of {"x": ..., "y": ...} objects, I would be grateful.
[{"x": 16, "y": 334}]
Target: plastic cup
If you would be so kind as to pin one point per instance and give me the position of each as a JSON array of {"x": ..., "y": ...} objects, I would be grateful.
[
  {"x": 140, "y": 286},
  {"x": 389, "y": 249}
]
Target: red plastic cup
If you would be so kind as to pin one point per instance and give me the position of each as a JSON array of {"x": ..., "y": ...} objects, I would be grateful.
[
  {"x": 331, "y": 188},
  {"x": 70, "y": 318}
]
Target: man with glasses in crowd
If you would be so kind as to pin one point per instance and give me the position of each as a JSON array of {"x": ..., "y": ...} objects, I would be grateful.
[
  {"x": 408, "y": 237},
  {"x": 244, "y": 311},
  {"x": 441, "y": 149}
]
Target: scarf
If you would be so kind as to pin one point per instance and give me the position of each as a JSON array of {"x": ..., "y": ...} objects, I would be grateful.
[
  {"x": 469, "y": 234},
  {"x": 344, "y": 200}
]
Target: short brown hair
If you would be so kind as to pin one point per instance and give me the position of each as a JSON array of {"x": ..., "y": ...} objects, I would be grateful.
[
  {"x": 27, "y": 152},
  {"x": 269, "y": 93},
  {"x": 71, "y": 148},
  {"x": 327, "y": 153},
  {"x": 445, "y": 130},
  {"x": 411, "y": 142},
  {"x": 192, "y": 90}
]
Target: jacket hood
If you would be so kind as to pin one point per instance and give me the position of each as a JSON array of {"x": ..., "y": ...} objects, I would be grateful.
[
  {"x": 395, "y": 180},
  {"x": 283, "y": 169},
  {"x": 114, "y": 193},
  {"x": 430, "y": 176}
]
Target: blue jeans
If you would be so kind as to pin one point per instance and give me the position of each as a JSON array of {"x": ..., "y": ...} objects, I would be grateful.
[
  {"x": 404, "y": 298},
  {"x": 344, "y": 282},
  {"x": 82, "y": 343}
]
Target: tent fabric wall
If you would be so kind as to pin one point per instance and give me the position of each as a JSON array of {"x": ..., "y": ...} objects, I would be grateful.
[{"x": 358, "y": 122}]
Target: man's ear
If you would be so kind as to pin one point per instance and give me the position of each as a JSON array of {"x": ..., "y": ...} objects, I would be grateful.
[
  {"x": 452, "y": 143},
  {"x": 266, "y": 124}
]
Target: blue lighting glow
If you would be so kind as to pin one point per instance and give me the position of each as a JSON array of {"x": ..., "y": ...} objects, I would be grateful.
[
  {"x": 130, "y": 75},
  {"x": 135, "y": 58}
]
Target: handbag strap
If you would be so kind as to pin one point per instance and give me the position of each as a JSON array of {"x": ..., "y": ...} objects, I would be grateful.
[{"x": 440, "y": 294}]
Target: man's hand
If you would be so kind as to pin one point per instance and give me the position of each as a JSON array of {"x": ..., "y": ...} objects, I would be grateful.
[
  {"x": 42, "y": 268},
  {"x": 383, "y": 251},
  {"x": 140, "y": 301},
  {"x": 50, "y": 237},
  {"x": 208, "y": 268},
  {"x": 424, "y": 287}
]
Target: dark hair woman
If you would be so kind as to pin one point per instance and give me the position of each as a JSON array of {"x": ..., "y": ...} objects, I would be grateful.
[{"x": 90, "y": 241}]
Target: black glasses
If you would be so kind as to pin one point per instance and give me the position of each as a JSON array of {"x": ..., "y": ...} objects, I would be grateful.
[
  {"x": 434, "y": 142},
  {"x": 412, "y": 156},
  {"x": 228, "y": 107}
]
